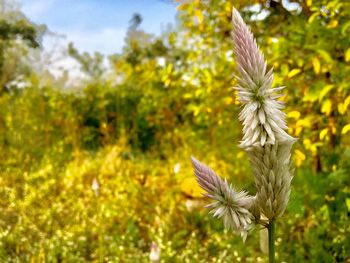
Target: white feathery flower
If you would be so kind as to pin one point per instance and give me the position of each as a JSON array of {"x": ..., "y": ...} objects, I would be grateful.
[
  {"x": 273, "y": 176},
  {"x": 229, "y": 204},
  {"x": 154, "y": 255},
  {"x": 177, "y": 168},
  {"x": 263, "y": 120},
  {"x": 265, "y": 138},
  {"x": 95, "y": 187}
]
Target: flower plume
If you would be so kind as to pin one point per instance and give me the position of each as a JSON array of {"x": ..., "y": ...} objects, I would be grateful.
[
  {"x": 264, "y": 136},
  {"x": 264, "y": 139},
  {"x": 263, "y": 120},
  {"x": 273, "y": 175},
  {"x": 229, "y": 204}
]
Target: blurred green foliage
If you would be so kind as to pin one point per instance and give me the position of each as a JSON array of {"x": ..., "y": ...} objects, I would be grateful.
[{"x": 100, "y": 172}]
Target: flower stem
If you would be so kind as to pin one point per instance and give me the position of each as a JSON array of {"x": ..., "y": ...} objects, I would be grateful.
[{"x": 271, "y": 229}]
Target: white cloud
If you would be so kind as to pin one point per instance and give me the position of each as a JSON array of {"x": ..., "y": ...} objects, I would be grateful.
[{"x": 106, "y": 41}]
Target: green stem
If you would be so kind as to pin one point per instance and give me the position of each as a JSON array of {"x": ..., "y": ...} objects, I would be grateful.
[{"x": 271, "y": 229}]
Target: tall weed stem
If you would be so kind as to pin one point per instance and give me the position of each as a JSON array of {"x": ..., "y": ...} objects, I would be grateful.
[{"x": 271, "y": 229}]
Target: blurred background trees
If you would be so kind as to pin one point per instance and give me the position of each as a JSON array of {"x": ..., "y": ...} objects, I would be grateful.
[
  {"x": 17, "y": 35},
  {"x": 133, "y": 123}
]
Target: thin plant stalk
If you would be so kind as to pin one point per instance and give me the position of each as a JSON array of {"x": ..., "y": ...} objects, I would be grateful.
[{"x": 271, "y": 231}]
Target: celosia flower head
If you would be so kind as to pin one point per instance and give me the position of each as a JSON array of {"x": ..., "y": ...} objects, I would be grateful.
[
  {"x": 230, "y": 205},
  {"x": 264, "y": 138},
  {"x": 263, "y": 120},
  {"x": 273, "y": 175}
]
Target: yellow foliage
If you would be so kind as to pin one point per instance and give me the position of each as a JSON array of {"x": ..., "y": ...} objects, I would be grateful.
[
  {"x": 199, "y": 15},
  {"x": 299, "y": 157},
  {"x": 347, "y": 55},
  {"x": 300, "y": 125},
  {"x": 228, "y": 7},
  {"x": 342, "y": 107},
  {"x": 294, "y": 114},
  {"x": 310, "y": 146},
  {"x": 196, "y": 111},
  {"x": 187, "y": 95},
  {"x": 294, "y": 72},
  {"x": 348, "y": 203},
  {"x": 240, "y": 155},
  {"x": 182, "y": 7},
  {"x": 298, "y": 131},
  {"x": 345, "y": 129},
  {"x": 208, "y": 76},
  {"x": 169, "y": 68},
  {"x": 326, "y": 107},
  {"x": 313, "y": 16},
  {"x": 198, "y": 92},
  {"x": 333, "y": 128},
  {"x": 228, "y": 100},
  {"x": 325, "y": 90},
  {"x": 316, "y": 64},
  {"x": 333, "y": 23},
  {"x": 190, "y": 187},
  {"x": 347, "y": 102},
  {"x": 323, "y": 133}
]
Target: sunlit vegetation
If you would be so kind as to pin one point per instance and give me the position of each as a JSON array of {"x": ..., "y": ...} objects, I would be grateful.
[{"x": 100, "y": 171}]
